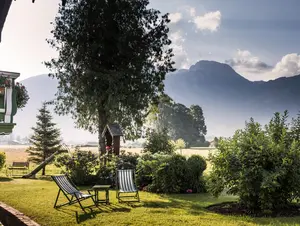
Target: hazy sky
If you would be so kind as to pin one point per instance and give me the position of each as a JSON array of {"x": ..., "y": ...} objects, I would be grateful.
[{"x": 260, "y": 39}]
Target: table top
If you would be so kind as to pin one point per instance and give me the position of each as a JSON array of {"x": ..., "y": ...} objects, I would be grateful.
[{"x": 96, "y": 187}]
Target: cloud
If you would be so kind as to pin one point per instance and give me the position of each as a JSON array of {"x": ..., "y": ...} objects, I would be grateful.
[
  {"x": 180, "y": 55},
  {"x": 209, "y": 21},
  {"x": 175, "y": 17},
  {"x": 244, "y": 60},
  {"x": 288, "y": 66},
  {"x": 254, "y": 69},
  {"x": 192, "y": 12}
]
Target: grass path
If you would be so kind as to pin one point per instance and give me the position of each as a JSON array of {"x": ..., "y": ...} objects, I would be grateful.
[{"x": 35, "y": 198}]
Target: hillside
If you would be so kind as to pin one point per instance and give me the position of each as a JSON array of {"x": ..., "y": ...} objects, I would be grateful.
[{"x": 227, "y": 98}]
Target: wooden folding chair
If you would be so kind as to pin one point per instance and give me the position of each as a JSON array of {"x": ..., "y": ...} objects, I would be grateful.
[
  {"x": 71, "y": 192},
  {"x": 125, "y": 185}
]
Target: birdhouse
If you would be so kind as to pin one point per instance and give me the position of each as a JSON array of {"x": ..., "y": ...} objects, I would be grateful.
[
  {"x": 8, "y": 102},
  {"x": 113, "y": 133}
]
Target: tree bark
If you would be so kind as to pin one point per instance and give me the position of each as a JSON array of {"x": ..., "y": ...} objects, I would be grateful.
[{"x": 101, "y": 124}]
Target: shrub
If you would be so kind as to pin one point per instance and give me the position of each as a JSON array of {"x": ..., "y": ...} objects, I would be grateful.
[
  {"x": 158, "y": 142},
  {"x": 2, "y": 159},
  {"x": 80, "y": 166},
  {"x": 260, "y": 166},
  {"x": 196, "y": 165},
  {"x": 170, "y": 173},
  {"x": 106, "y": 174},
  {"x": 126, "y": 160},
  {"x": 147, "y": 164},
  {"x": 170, "y": 176}
]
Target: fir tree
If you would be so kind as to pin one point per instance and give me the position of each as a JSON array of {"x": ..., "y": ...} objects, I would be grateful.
[{"x": 45, "y": 139}]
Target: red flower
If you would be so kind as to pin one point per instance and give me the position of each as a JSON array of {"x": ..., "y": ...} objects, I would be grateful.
[{"x": 189, "y": 190}]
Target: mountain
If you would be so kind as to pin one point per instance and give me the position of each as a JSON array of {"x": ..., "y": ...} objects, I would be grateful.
[{"x": 227, "y": 99}]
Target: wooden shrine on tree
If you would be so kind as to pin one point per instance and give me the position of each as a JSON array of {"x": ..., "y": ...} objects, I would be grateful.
[{"x": 112, "y": 134}]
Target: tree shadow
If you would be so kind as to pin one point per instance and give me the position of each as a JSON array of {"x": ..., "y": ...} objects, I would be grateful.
[
  {"x": 93, "y": 211},
  {"x": 276, "y": 221},
  {"x": 194, "y": 209},
  {"x": 5, "y": 179}
]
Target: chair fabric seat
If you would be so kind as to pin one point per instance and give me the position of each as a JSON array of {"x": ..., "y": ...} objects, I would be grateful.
[
  {"x": 124, "y": 191},
  {"x": 125, "y": 183},
  {"x": 68, "y": 188},
  {"x": 82, "y": 195}
]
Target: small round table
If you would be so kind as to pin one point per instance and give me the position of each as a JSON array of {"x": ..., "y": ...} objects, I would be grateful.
[{"x": 97, "y": 189}]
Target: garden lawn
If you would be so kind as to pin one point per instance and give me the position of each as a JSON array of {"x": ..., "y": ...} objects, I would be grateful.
[{"x": 35, "y": 198}]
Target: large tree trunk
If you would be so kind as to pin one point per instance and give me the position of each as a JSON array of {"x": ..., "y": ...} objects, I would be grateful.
[{"x": 101, "y": 124}]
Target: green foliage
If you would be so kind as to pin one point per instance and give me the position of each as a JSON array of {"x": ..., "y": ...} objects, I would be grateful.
[
  {"x": 179, "y": 144},
  {"x": 198, "y": 121},
  {"x": 147, "y": 165},
  {"x": 106, "y": 173},
  {"x": 22, "y": 96},
  {"x": 259, "y": 165},
  {"x": 2, "y": 159},
  {"x": 45, "y": 139},
  {"x": 127, "y": 160},
  {"x": 170, "y": 173},
  {"x": 158, "y": 142},
  {"x": 181, "y": 121},
  {"x": 80, "y": 166},
  {"x": 196, "y": 165},
  {"x": 113, "y": 58},
  {"x": 170, "y": 176}
]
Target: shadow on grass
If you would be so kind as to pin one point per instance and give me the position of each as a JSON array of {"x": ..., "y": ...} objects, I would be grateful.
[
  {"x": 93, "y": 211},
  {"x": 194, "y": 209},
  {"x": 45, "y": 177},
  {"x": 5, "y": 179}
]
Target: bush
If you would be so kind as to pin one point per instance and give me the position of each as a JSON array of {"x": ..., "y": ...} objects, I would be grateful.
[
  {"x": 106, "y": 174},
  {"x": 80, "y": 166},
  {"x": 260, "y": 166},
  {"x": 196, "y": 165},
  {"x": 147, "y": 164},
  {"x": 2, "y": 160},
  {"x": 170, "y": 176},
  {"x": 126, "y": 160},
  {"x": 158, "y": 142},
  {"x": 170, "y": 173}
]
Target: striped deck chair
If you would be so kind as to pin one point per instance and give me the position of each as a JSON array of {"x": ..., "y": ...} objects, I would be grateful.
[
  {"x": 125, "y": 185},
  {"x": 71, "y": 192}
]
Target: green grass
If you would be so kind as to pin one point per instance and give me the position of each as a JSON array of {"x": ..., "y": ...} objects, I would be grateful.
[
  {"x": 50, "y": 170},
  {"x": 35, "y": 198}
]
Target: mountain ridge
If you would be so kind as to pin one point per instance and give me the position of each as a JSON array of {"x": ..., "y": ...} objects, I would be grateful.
[{"x": 227, "y": 98}]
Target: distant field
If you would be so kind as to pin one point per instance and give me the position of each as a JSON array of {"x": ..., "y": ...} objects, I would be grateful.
[{"x": 17, "y": 152}]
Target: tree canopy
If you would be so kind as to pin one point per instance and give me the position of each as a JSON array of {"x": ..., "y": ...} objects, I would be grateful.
[
  {"x": 113, "y": 58},
  {"x": 180, "y": 121}
]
